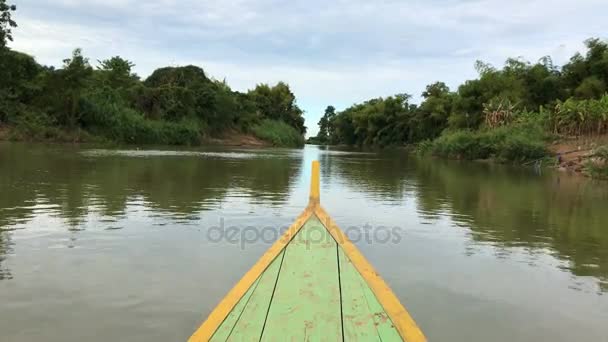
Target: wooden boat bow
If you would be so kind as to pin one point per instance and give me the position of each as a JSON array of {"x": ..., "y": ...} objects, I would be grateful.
[{"x": 312, "y": 284}]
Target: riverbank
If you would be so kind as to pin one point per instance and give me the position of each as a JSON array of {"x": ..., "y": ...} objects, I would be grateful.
[
  {"x": 108, "y": 102},
  {"x": 581, "y": 155},
  {"x": 584, "y": 155},
  {"x": 234, "y": 138},
  {"x": 78, "y": 135}
]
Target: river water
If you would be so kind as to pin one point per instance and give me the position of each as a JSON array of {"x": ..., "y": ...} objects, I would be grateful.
[{"x": 133, "y": 244}]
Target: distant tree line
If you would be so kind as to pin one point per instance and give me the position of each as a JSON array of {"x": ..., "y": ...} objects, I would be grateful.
[
  {"x": 570, "y": 100},
  {"x": 174, "y": 105}
]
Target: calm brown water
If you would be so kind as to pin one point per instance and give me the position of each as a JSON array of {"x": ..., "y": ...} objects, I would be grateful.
[{"x": 120, "y": 245}]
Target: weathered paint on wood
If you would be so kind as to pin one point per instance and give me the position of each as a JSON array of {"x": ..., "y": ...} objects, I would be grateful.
[
  {"x": 386, "y": 328},
  {"x": 403, "y": 322},
  {"x": 306, "y": 303},
  {"x": 364, "y": 319},
  {"x": 250, "y": 324},
  {"x": 223, "y": 309},
  {"x": 227, "y": 325},
  {"x": 357, "y": 320},
  {"x": 358, "y": 323}
]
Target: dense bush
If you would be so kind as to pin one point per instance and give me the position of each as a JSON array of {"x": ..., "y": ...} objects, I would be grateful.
[
  {"x": 30, "y": 124},
  {"x": 278, "y": 133},
  {"x": 516, "y": 143},
  {"x": 106, "y": 115},
  {"x": 34, "y": 124},
  {"x": 460, "y": 144},
  {"x": 131, "y": 127}
]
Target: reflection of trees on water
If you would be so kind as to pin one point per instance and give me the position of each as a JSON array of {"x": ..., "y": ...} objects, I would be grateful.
[
  {"x": 505, "y": 206},
  {"x": 61, "y": 182},
  {"x": 70, "y": 184},
  {"x": 382, "y": 175},
  {"x": 509, "y": 207}
]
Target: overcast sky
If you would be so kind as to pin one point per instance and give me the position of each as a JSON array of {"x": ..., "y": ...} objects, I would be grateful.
[{"x": 330, "y": 52}]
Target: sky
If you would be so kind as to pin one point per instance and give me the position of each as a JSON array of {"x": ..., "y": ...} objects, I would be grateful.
[{"x": 329, "y": 52}]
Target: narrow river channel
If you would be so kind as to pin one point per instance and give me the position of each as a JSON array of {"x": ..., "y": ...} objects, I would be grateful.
[{"x": 127, "y": 245}]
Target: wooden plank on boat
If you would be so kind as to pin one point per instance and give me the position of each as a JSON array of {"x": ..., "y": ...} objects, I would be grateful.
[
  {"x": 250, "y": 324},
  {"x": 223, "y": 332},
  {"x": 225, "y": 307},
  {"x": 364, "y": 319},
  {"x": 357, "y": 320},
  {"x": 403, "y": 322},
  {"x": 306, "y": 303}
]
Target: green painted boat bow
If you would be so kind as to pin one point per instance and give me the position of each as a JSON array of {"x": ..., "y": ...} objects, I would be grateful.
[{"x": 313, "y": 284}]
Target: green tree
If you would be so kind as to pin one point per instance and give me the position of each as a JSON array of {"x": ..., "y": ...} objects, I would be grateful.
[
  {"x": 74, "y": 78},
  {"x": 586, "y": 76},
  {"x": 6, "y": 23},
  {"x": 18, "y": 82},
  {"x": 543, "y": 84},
  {"x": 592, "y": 87},
  {"x": 175, "y": 93},
  {"x": 493, "y": 84},
  {"x": 330, "y": 113},
  {"x": 278, "y": 103},
  {"x": 344, "y": 129},
  {"x": 379, "y": 122},
  {"x": 226, "y": 107},
  {"x": 322, "y": 136},
  {"x": 116, "y": 72},
  {"x": 326, "y": 125},
  {"x": 431, "y": 117}
]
